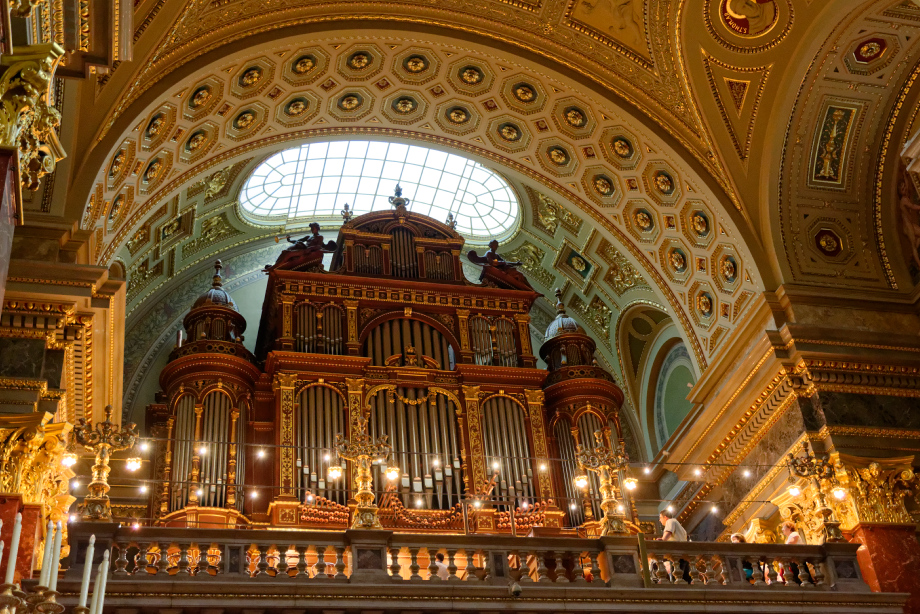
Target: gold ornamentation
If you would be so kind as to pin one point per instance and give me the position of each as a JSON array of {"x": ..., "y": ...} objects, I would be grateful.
[
  {"x": 578, "y": 264},
  {"x": 296, "y": 107},
  {"x": 363, "y": 450},
  {"x": 509, "y": 132},
  {"x": 201, "y": 96},
  {"x": 359, "y": 61},
  {"x": 28, "y": 118},
  {"x": 607, "y": 463},
  {"x": 471, "y": 75},
  {"x": 663, "y": 182},
  {"x": 531, "y": 259},
  {"x": 704, "y": 304},
  {"x": 350, "y": 102},
  {"x": 244, "y": 120},
  {"x": 643, "y": 220},
  {"x": 405, "y": 105},
  {"x": 217, "y": 182},
  {"x": 213, "y": 230},
  {"x": 870, "y": 50},
  {"x": 156, "y": 126},
  {"x": 575, "y": 117},
  {"x": 416, "y": 64},
  {"x": 525, "y": 93},
  {"x": 304, "y": 65},
  {"x": 550, "y": 214},
  {"x": 558, "y": 155},
  {"x": 117, "y": 163},
  {"x": 196, "y": 141},
  {"x": 700, "y": 224},
  {"x": 832, "y": 145},
  {"x": 828, "y": 243},
  {"x": 251, "y": 77},
  {"x": 153, "y": 171},
  {"x": 621, "y": 276},
  {"x": 102, "y": 439},
  {"x": 603, "y": 185},
  {"x": 677, "y": 260},
  {"x": 728, "y": 269},
  {"x": 458, "y": 115},
  {"x": 622, "y": 147},
  {"x": 597, "y": 314}
]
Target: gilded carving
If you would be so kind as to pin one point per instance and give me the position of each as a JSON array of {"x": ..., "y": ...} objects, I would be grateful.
[
  {"x": 213, "y": 230},
  {"x": 28, "y": 116},
  {"x": 621, "y": 276},
  {"x": 596, "y": 313},
  {"x": 531, "y": 259},
  {"x": 550, "y": 215},
  {"x": 832, "y": 145}
]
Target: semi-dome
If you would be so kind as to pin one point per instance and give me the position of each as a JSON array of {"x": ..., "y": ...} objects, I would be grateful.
[
  {"x": 562, "y": 323},
  {"x": 216, "y": 295}
]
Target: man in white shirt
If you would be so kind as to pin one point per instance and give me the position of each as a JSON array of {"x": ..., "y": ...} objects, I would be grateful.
[
  {"x": 673, "y": 531},
  {"x": 443, "y": 573}
]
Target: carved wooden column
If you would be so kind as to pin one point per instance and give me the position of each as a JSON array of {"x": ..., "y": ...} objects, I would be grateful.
[
  {"x": 458, "y": 266},
  {"x": 420, "y": 258},
  {"x": 283, "y": 507},
  {"x": 523, "y": 332},
  {"x": 535, "y": 398},
  {"x": 196, "y": 457},
  {"x": 167, "y": 470},
  {"x": 286, "y": 341},
  {"x": 483, "y": 519},
  {"x": 231, "y": 460},
  {"x": 387, "y": 263},
  {"x": 351, "y": 314},
  {"x": 463, "y": 322}
]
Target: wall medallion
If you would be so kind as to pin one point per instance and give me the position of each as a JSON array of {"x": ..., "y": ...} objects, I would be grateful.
[
  {"x": 458, "y": 115},
  {"x": 747, "y": 26},
  {"x": 303, "y": 65},
  {"x": 244, "y": 120},
  {"x": 251, "y": 76}
]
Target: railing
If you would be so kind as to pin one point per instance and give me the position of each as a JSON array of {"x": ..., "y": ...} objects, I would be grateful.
[{"x": 146, "y": 560}]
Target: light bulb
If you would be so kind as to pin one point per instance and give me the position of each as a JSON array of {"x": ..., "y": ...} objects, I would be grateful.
[
  {"x": 202, "y": 450},
  {"x": 573, "y": 507},
  {"x": 69, "y": 459},
  {"x": 392, "y": 473},
  {"x": 714, "y": 509},
  {"x": 620, "y": 509},
  {"x": 436, "y": 462},
  {"x": 418, "y": 503},
  {"x": 746, "y": 473},
  {"x": 133, "y": 463},
  {"x": 477, "y": 504},
  {"x": 839, "y": 493},
  {"x": 75, "y": 484},
  {"x": 325, "y": 457},
  {"x": 260, "y": 453},
  {"x": 143, "y": 488},
  {"x": 671, "y": 508},
  {"x": 581, "y": 481},
  {"x": 647, "y": 470},
  {"x": 309, "y": 498},
  {"x": 496, "y": 466},
  {"x": 199, "y": 492},
  {"x": 524, "y": 505},
  {"x": 795, "y": 491},
  {"x": 254, "y": 495},
  {"x": 542, "y": 466},
  {"x": 73, "y": 518},
  {"x": 136, "y": 526},
  {"x": 144, "y": 446},
  {"x": 631, "y": 483},
  {"x": 335, "y": 472},
  {"x": 697, "y": 472}
]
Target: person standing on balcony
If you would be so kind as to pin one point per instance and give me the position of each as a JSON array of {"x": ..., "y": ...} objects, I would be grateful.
[
  {"x": 442, "y": 568},
  {"x": 792, "y": 536},
  {"x": 674, "y": 532}
]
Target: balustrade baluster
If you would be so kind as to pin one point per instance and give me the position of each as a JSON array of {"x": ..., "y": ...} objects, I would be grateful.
[
  {"x": 282, "y": 565},
  {"x": 140, "y": 559},
  {"x": 789, "y": 575},
  {"x": 163, "y": 560},
  {"x": 184, "y": 567},
  {"x": 772, "y": 578},
  {"x": 340, "y": 563},
  {"x": 452, "y": 566},
  {"x": 595, "y": 569},
  {"x": 302, "y": 560},
  {"x": 201, "y": 562},
  {"x": 801, "y": 572},
  {"x": 321, "y": 563},
  {"x": 542, "y": 569},
  {"x": 560, "y": 570},
  {"x": 819, "y": 573},
  {"x": 394, "y": 562},
  {"x": 471, "y": 576},
  {"x": 696, "y": 577},
  {"x": 262, "y": 562},
  {"x": 121, "y": 563},
  {"x": 432, "y": 565},
  {"x": 709, "y": 570},
  {"x": 486, "y": 560},
  {"x": 677, "y": 574},
  {"x": 722, "y": 574},
  {"x": 578, "y": 568},
  {"x": 414, "y": 566},
  {"x": 758, "y": 571},
  {"x": 661, "y": 571}
]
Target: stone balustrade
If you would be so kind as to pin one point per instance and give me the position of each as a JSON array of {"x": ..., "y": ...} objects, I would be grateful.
[{"x": 214, "y": 569}]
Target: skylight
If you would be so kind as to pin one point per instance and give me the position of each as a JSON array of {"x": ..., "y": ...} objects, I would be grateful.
[{"x": 316, "y": 179}]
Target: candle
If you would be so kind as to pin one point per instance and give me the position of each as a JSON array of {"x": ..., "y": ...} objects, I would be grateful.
[
  {"x": 99, "y": 589},
  {"x": 14, "y": 550},
  {"x": 1, "y": 551},
  {"x": 87, "y": 571},
  {"x": 46, "y": 556},
  {"x": 56, "y": 558}
]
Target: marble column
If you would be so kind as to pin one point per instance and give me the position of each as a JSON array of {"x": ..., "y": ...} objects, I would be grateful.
[
  {"x": 10, "y": 505},
  {"x": 890, "y": 559}
]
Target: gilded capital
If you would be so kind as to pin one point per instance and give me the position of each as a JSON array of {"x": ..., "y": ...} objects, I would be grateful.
[
  {"x": 28, "y": 119},
  {"x": 284, "y": 380}
]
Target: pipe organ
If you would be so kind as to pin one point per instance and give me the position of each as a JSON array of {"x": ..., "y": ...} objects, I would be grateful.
[{"x": 394, "y": 334}]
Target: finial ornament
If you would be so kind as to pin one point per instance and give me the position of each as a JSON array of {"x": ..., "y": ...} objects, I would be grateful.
[
  {"x": 217, "y": 281},
  {"x": 346, "y": 214},
  {"x": 560, "y": 306},
  {"x": 452, "y": 221},
  {"x": 397, "y": 200}
]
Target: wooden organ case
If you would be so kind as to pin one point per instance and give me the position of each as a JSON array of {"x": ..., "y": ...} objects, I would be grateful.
[{"x": 393, "y": 333}]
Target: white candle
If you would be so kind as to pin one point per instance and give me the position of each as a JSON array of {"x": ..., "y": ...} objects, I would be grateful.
[
  {"x": 96, "y": 584},
  {"x": 46, "y": 556},
  {"x": 87, "y": 571},
  {"x": 56, "y": 557},
  {"x": 14, "y": 550},
  {"x": 1, "y": 551},
  {"x": 99, "y": 589}
]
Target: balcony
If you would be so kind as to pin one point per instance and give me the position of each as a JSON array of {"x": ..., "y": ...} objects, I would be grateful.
[{"x": 181, "y": 571}]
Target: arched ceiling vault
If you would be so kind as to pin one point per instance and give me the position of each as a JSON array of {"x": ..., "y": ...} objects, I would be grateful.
[{"x": 644, "y": 224}]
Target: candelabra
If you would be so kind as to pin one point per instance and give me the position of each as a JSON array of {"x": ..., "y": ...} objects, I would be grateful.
[
  {"x": 606, "y": 463},
  {"x": 362, "y": 451},
  {"x": 102, "y": 439},
  {"x": 821, "y": 473}
]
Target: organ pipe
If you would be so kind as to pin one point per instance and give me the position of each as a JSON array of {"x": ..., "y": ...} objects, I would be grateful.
[
  {"x": 184, "y": 437},
  {"x": 586, "y": 425},
  {"x": 422, "y": 429},
  {"x": 439, "y": 265},
  {"x": 405, "y": 262},
  {"x": 319, "y": 330},
  {"x": 368, "y": 260},
  {"x": 506, "y": 442},
  {"x": 393, "y": 336},
  {"x": 319, "y": 417}
]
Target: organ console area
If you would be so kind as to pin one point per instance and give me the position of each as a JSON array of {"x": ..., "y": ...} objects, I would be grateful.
[{"x": 483, "y": 438}]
